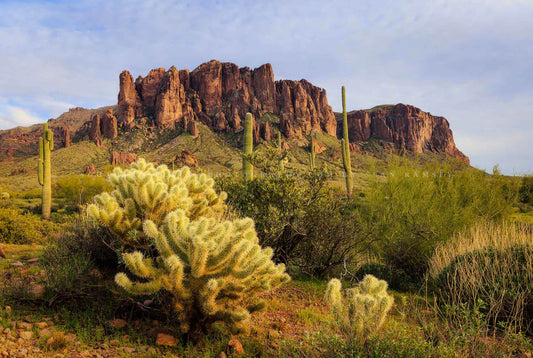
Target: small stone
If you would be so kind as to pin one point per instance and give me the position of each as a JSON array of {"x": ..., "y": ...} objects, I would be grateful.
[
  {"x": 114, "y": 343},
  {"x": 221, "y": 355},
  {"x": 8, "y": 310},
  {"x": 118, "y": 323},
  {"x": 23, "y": 352},
  {"x": 272, "y": 333},
  {"x": 33, "y": 261},
  {"x": 128, "y": 350},
  {"x": 166, "y": 340},
  {"x": 17, "y": 264},
  {"x": 45, "y": 332},
  {"x": 38, "y": 290},
  {"x": 25, "y": 325},
  {"x": 41, "y": 325},
  {"x": 234, "y": 347},
  {"x": 26, "y": 335}
]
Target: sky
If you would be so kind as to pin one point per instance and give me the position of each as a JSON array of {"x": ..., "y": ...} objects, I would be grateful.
[{"x": 470, "y": 61}]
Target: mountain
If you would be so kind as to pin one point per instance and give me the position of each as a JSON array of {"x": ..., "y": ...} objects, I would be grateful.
[{"x": 152, "y": 111}]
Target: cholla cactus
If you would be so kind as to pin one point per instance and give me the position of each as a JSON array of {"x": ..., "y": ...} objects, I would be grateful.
[
  {"x": 214, "y": 270},
  {"x": 144, "y": 192},
  {"x": 364, "y": 309}
]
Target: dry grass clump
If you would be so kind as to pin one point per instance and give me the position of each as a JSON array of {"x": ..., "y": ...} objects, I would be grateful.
[
  {"x": 489, "y": 268},
  {"x": 479, "y": 237}
]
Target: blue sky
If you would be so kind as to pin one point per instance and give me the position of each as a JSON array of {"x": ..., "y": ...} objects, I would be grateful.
[{"x": 468, "y": 60}]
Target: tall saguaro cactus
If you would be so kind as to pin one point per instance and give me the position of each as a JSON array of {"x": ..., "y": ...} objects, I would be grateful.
[
  {"x": 248, "y": 147},
  {"x": 46, "y": 145},
  {"x": 346, "y": 147},
  {"x": 312, "y": 154}
]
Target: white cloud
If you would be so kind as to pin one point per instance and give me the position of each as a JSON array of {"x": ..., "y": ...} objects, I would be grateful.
[
  {"x": 468, "y": 60},
  {"x": 11, "y": 116}
]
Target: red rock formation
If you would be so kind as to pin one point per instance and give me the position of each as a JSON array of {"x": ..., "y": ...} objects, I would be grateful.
[
  {"x": 407, "y": 127},
  {"x": 129, "y": 102},
  {"x": 219, "y": 95},
  {"x": 186, "y": 158},
  {"x": 192, "y": 127},
  {"x": 67, "y": 135},
  {"x": 123, "y": 158},
  {"x": 108, "y": 125},
  {"x": 91, "y": 169},
  {"x": 94, "y": 130}
]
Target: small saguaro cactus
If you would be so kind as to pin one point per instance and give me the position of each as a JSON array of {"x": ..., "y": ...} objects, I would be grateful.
[
  {"x": 46, "y": 145},
  {"x": 312, "y": 154},
  {"x": 346, "y": 161},
  {"x": 363, "y": 310},
  {"x": 279, "y": 140},
  {"x": 248, "y": 147}
]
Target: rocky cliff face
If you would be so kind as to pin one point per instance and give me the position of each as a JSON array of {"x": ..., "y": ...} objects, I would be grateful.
[
  {"x": 407, "y": 127},
  {"x": 219, "y": 95}
]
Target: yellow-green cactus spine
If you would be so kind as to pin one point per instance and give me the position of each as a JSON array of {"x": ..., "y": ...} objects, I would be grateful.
[
  {"x": 248, "y": 147},
  {"x": 312, "y": 155},
  {"x": 346, "y": 147},
  {"x": 364, "y": 309},
  {"x": 213, "y": 269},
  {"x": 46, "y": 145},
  {"x": 144, "y": 191}
]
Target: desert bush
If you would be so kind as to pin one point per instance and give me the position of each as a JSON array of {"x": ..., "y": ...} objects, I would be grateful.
[
  {"x": 492, "y": 266},
  {"x": 412, "y": 211},
  {"x": 212, "y": 268},
  {"x": 310, "y": 225},
  {"x": 364, "y": 309},
  {"x": 526, "y": 192},
  {"x": 78, "y": 190},
  {"x": 19, "y": 227},
  {"x": 144, "y": 192},
  {"x": 4, "y": 195}
]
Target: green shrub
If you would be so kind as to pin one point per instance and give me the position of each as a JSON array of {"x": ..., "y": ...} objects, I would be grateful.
[
  {"x": 375, "y": 269},
  {"x": 310, "y": 225},
  {"x": 411, "y": 211},
  {"x": 19, "y": 227},
  {"x": 501, "y": 279},
  {"x": 78, "y": 190}
]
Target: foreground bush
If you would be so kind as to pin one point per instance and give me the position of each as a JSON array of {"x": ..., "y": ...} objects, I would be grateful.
[
  {"x": 212, "y": 268},
  {"x": 19, "y": 227},
  {"x": 489, "y": 267},
  {"x": 309, "y": 224},
  {"x": 364, "y": 309},
  {"x": 78, "y": 190}
]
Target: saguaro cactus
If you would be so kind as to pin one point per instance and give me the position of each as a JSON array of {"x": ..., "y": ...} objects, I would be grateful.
[
  {"x": 312, "y": 154},
  {"x": 248, "y": 147},
  {"x": 346, "y": 147},
  {"x": 46, "y": 145}
]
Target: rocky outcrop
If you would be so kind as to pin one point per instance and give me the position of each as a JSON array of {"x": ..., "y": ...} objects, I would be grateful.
[
  {"x": 186, "y": 158},
  {"x": 407, "y": 127},
  {"x": 90, "y": 169},
  {"x": 123, "y": 158},
  {"x": 219, "y": 95},
  {"x": 129, "y": 101},
  {"x": 105, "y": 126}
]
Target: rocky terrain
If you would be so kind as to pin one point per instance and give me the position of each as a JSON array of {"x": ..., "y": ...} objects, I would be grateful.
[{"x": 219, "y": 95}]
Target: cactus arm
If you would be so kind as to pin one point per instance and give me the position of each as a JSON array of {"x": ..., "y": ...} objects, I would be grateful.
[{"x": 248, "y": 146}]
